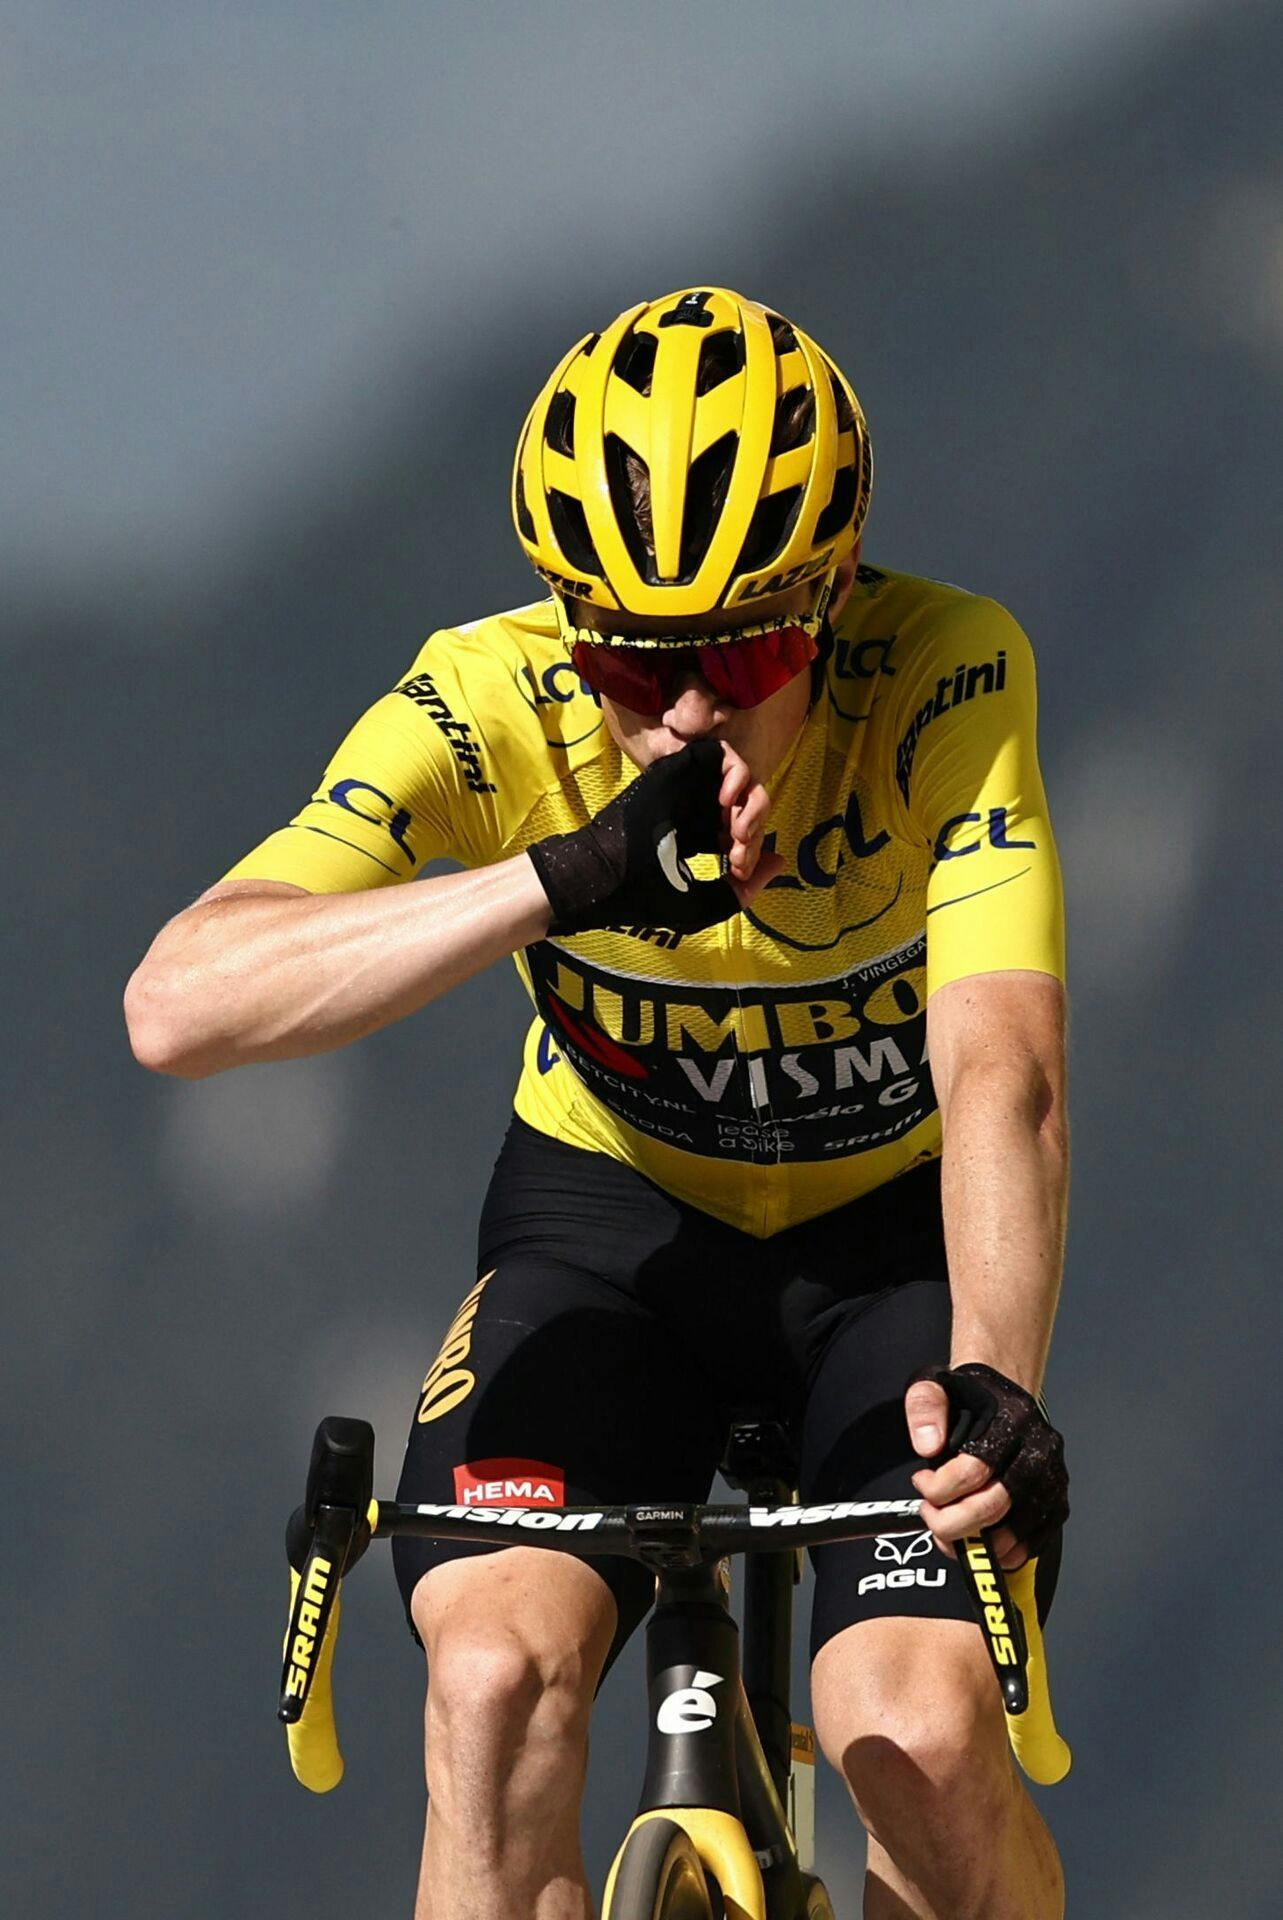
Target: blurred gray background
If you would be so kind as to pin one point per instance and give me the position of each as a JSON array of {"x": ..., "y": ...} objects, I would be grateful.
[{"x": 279, "y": 282}]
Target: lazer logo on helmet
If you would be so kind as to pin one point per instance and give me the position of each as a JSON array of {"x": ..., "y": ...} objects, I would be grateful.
[
  {"x": 773, "y": 583},
  {"x": 509, "y": 1483}
]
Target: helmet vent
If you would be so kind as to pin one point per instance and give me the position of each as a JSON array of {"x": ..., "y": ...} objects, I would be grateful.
[
  {"x": 525, "y": 519},
  {"x": 771, "y": 526},
  {"x": 629, "y": 480},
  {"x": 570, "y": 525},
  {"x": 635, "y": 361},
  {"x": 842, "y": 401},
  {"x": 559, "y": 427},
  {"x": 794, "y": 420},
  {"x": 781, "y": 333},
  {"x": 721, "y": 357},
  {"x": 840, "y": 508},
  {"x": 707, "y": 486}
]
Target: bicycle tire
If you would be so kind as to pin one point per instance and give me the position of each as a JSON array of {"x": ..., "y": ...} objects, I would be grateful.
[
  {"x": 818, "y": 1905},
  {"x": 659, "y": 1877}
]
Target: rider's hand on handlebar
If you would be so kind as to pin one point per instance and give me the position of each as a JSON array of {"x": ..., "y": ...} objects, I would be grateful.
[{"x": 967, "y": 1492}]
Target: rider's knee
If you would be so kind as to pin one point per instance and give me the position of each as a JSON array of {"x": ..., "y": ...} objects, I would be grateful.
[
  {"x": 493, "y": 1671},
  {"x": 494, "y": 1680},
  {"x": 937, "y": 1757},
  {"x": 920, "y": 1735}
]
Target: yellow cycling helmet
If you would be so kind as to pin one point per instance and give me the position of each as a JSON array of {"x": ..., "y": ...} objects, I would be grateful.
[{"x": 700, "y": 453}]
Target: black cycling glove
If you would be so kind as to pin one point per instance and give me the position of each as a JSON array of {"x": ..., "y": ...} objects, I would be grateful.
[
  {"x": 1005, "y": 1427},
  {"x": 628, "y": 866}
]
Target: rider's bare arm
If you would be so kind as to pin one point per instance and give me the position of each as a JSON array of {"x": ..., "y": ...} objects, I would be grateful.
[
  {"x": 258, "y": 970},
  {"x": 997, "y": 1047},
  {"x": 262, "y": 970}
]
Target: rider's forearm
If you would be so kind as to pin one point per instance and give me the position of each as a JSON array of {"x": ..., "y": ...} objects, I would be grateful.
[
  {"x": 248, "y": 977},
  {"x": 1005, "y": 1192}
]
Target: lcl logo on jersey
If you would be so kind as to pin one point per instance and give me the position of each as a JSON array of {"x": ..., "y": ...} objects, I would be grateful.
[
  {"x": 843, "y": 875},
  {"x": 902, "y": 1548},
  {"x": 854, "y": 671},
  {"x": 550, "y": 694},
  {"x": 690, "y": 1709}
]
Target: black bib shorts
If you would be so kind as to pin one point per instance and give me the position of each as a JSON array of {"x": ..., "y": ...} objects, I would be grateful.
[{"x": 613, "y": 1333}]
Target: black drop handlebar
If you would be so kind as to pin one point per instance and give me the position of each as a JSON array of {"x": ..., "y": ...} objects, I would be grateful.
[{"x": 340, "y": 1516}]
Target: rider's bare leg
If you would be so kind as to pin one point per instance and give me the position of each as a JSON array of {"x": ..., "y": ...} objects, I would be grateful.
[
  {"x": 908, "y": 1711},
  {"x": 516, "y": 1642}
]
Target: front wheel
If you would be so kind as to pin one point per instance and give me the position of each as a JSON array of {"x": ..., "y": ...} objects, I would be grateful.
[
  {"x": 818, "y": 1905},
  {"x": 659, "y": 1877}
]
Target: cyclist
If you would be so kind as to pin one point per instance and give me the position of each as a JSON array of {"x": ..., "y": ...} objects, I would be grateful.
[{"x": 763, "y": 827}]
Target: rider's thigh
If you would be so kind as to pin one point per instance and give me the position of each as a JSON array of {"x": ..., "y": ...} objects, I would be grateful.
[
  {"x": 910, "y": 1707},
  {"x": 519, "y": 1633}
]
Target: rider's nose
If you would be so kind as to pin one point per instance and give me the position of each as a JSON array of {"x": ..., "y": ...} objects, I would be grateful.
[{"x": 692, "y": 708}]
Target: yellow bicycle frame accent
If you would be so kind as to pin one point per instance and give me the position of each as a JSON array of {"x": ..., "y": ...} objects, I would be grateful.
[{"x": 722, "y": 1845}]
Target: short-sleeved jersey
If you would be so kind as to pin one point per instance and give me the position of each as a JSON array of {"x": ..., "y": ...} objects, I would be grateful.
[{"x": 773, "y": 1067}]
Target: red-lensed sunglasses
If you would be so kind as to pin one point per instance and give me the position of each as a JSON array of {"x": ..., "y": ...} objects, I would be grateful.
[{"x": 743, "y": 673}]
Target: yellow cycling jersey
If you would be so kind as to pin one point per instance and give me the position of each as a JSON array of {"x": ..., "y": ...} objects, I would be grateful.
[{"x": 773, "y": 1067}]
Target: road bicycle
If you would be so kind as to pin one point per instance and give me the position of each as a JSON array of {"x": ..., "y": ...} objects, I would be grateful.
[{"x": 721, "y": 1831}]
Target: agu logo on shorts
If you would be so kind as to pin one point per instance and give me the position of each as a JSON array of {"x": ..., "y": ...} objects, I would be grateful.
[
  {"x": 902, "y": 1548},
  {"x": 509, "y": 1483}
]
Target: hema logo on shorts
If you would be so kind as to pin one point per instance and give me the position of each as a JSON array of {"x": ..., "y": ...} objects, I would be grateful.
[
  {"x": 902, "y": 1548},
  {"x": 509, "y": 1483}
]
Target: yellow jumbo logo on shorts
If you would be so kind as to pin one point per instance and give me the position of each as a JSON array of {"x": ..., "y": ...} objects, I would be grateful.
[{"x": 448, "y": 1382}]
